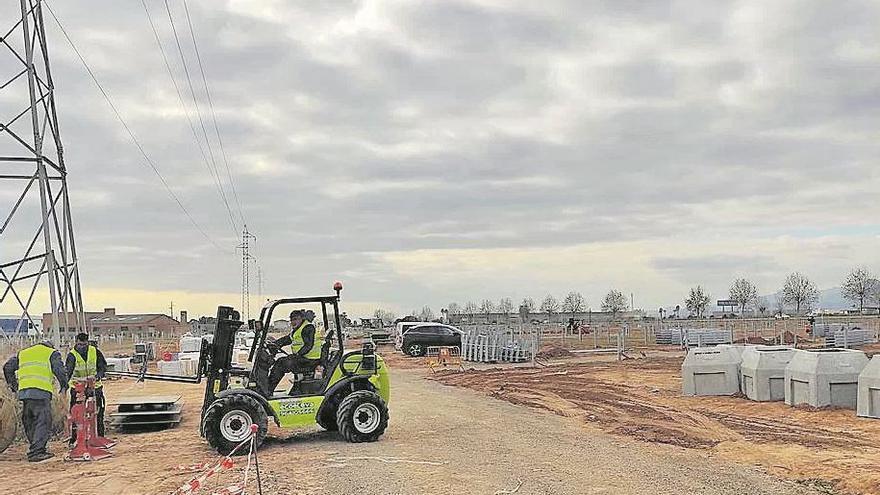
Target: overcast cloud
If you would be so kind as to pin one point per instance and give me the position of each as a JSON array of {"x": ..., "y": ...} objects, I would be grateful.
[{"x": 437, "y": 151}]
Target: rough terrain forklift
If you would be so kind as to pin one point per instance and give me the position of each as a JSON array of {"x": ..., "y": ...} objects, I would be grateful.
[{"x": 345, "y": 391}]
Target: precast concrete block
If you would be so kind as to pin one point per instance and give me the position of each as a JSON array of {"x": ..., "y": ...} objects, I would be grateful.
[
  {"x": 824, "y": 377},
  {"x": 762, "y": 373},
  {"x": 710, "y": 371},
  {"x": 869, "y": 390}
]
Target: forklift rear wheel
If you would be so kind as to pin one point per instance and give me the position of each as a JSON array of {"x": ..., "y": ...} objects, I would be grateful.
[
  {"x": 362, "y": 416},
  {"x": 228, "y": 421}
]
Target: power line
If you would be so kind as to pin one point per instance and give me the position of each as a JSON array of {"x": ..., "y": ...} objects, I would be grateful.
[
  {"x": 199, "y": 115},
  {"x": 128, "y": 130},
  {"x": 213, "y": 113},
  {"x": 180, "y": 98}
]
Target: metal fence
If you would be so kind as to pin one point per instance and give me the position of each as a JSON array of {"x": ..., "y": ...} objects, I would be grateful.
[
  {"x": 498, "y": 344},
  {"x": 850, "y": 337}
]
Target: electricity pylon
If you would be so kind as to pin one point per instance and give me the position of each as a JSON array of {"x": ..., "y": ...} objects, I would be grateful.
[
  {"x": 246, "y": 260},
  {"x": 37, "y": 248}
]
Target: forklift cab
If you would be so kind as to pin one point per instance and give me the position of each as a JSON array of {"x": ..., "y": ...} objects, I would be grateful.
[{"x": 309, "y": 379}]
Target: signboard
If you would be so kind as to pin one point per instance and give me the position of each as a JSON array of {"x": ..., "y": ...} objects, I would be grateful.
[{"x": 727, "y": 302}]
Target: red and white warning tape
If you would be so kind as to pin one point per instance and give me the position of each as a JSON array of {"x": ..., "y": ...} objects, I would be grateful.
[{"x": 196, "y": 483}]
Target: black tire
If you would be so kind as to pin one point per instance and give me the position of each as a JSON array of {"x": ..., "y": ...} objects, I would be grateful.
[
  {"x": 234, "y": 410},
  {"x": 362, "y": 417},
  {"x": 327, "y": 416},
  {"x": 415, "y": 350}
]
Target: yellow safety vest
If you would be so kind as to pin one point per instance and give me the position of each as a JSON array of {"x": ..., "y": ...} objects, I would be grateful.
[
  {"x": 35, "y": 369},
  {"x": 86, "y": 368},
  {"x": 297, "y": 342}
]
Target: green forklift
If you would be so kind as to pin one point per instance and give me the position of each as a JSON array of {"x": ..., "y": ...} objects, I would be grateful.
[{"x": 346, "y": 391}]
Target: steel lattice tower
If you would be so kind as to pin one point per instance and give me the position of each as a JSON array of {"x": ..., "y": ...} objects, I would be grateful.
[
  {"x": 37, "y": 247},
  {"x": 246, "y": 260}
]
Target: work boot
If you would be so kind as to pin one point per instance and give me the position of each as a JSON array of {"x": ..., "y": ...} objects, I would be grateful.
[{"x": 41, "y": 457}]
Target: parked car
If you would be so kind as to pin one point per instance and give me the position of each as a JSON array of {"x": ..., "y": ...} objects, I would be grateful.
[
  {"x": 401, "y": 328},
  {"x": 416, "y": 340}
]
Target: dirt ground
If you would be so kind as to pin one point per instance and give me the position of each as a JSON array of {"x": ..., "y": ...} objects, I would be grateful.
[
  {"x": 641, "y": 399},
  {"x": 440, "y": 440}
]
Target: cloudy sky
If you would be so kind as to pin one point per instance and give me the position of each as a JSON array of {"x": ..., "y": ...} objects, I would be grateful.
[{"x": 437, "y": 151}]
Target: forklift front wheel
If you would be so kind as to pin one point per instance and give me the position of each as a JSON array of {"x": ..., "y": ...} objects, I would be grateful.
[{"x": 228, "y": 420}]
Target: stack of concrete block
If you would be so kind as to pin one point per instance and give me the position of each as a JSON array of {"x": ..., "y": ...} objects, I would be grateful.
[
  {"x": 118, "y": 364},
  {"x": 869, "y": 390},
  {"x": 763, "y": 372},
  {"x": 824, "y": 377},
  {"x": 711, "y": 371}
]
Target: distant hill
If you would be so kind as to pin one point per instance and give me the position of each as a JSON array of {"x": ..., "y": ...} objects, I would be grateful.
[{"x": 831, "y": 298}]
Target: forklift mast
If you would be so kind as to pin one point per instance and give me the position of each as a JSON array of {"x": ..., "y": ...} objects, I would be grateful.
[{"x": 219, "y": 356}]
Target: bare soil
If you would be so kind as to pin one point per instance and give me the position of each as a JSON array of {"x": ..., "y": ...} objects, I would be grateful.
[
  {"x": 641, "y": 399},
  {"x": 440, "y": 440}
]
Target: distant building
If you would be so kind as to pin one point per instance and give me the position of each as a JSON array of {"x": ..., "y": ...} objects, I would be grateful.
[
  {"x": 108, "y": 323},
  {"x": 538, "y": 316}
]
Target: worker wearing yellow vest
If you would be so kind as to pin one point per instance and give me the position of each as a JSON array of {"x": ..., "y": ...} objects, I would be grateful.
[
  {"x": 305, "y": 352},
  {"x": 30, "y": 374},
  {"x": 85, "y": 361}
]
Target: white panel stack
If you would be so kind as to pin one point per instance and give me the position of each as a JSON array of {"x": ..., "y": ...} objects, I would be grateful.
[
  {"x": 710, "y": 371},
  {"x": 763, "y": 372},
  {"x": 869, "y": 390},
  {"x": 824, "y": 377},
  {"x": 190, "y": 344},
  {"x": 118, "y": 364}
]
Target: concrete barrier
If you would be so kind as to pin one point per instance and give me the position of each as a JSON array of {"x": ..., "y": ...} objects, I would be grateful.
[
  {"x": 824, "y": 377},
  {"x": 710, "y": 371},
  {"x": 869, "y": 390},
  {"x": 763, "y": 372}
]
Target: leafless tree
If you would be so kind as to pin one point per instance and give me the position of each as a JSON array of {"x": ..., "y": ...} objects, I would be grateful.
[
  {"x": 505, "y": 307},
  {"x": 426, "y": 314},
  {"x": 471, "y": 309},
  {"x": 697, "y": 301},
  {"x": 799, "y": 291},
  {"x": 487, "y": 307},
  {"x": 453, "y": 309},
  {"x": 859, "y": 286},
  {"x": 528, "y": 303},
  {"x": 550, "y": 305},
  {"x": 763, "y": 305},
  {"x": 615, "y": 302},
  {"x": 384, "y": 315},
  {"x": 744, "y": 293},
  {"x": 573, "y": 303}
]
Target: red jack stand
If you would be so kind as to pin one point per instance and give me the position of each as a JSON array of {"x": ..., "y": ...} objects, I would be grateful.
[{"x": 89, "y": 445}]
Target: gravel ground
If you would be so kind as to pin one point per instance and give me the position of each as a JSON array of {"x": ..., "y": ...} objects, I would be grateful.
[{"x": 470, "y": 444}]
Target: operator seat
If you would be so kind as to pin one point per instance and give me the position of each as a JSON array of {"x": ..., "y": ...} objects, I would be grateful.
[{"x": 304, "y": 379}]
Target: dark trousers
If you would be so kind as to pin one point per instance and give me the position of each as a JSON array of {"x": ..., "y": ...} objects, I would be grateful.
[
  {"x": 285, "y": 365},
  {"x": 99, "y": 410},
  {"x": 36, "y": 416}
]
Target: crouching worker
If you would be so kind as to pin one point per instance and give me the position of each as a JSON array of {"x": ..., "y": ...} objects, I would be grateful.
[
  {"x": 29, "y": 373},
  {"x": 304, "y": 351},
  {"x": 86, "y": 361}
]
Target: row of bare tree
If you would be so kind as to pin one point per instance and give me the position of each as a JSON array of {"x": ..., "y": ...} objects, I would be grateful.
[{"x": 798, "y": 293}]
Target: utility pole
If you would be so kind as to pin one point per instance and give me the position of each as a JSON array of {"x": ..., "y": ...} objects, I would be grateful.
[
  {"x": 172, "y": 309},
  {"x": 36, "y": 255},
  {"x": 246, "y": 260}
]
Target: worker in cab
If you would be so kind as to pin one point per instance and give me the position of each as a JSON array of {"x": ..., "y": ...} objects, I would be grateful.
[
  {"x": 305, "y": 351},
  {"x": 30, "y": 375},
  {"x": 86, "y": 361}
]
